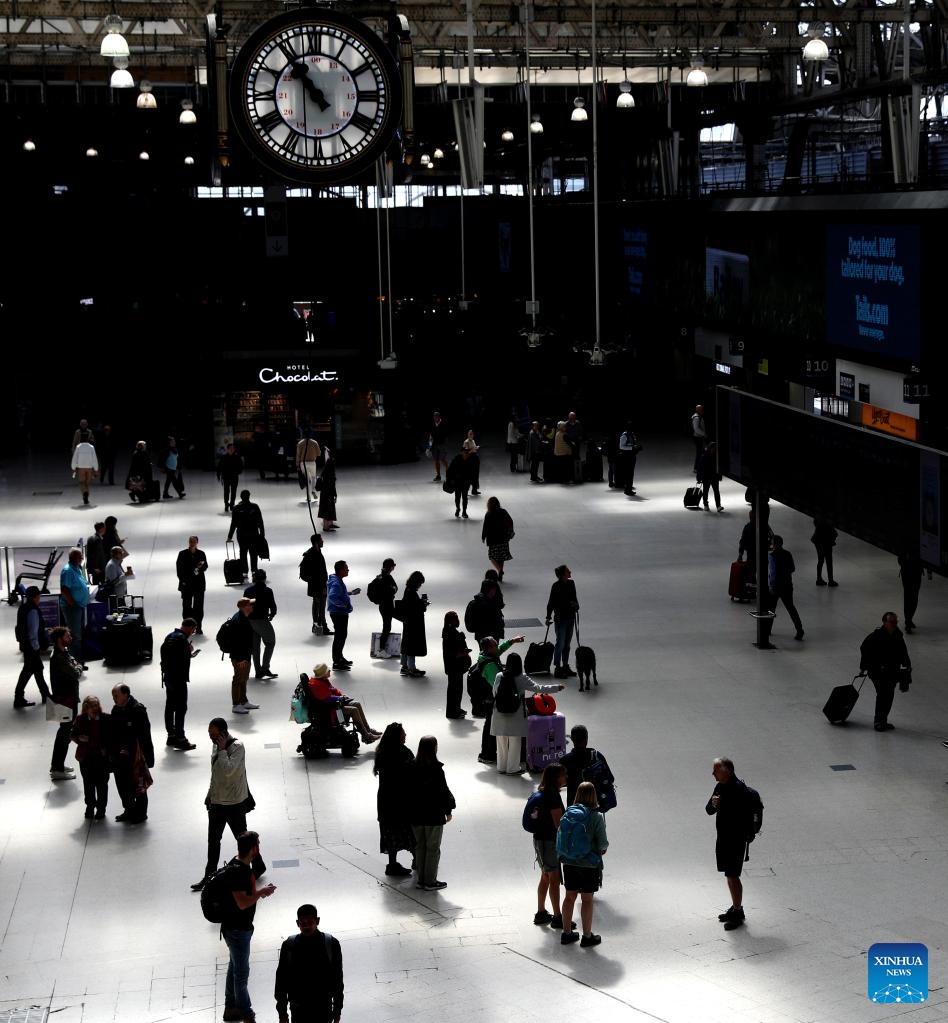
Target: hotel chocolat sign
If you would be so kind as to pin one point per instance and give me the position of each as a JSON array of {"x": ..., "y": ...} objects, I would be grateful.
[{"x": 297, "y": 373}]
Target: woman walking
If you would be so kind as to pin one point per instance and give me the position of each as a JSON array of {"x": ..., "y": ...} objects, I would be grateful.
[
  {"x": 509, "y": 726},
  {"x": 413, "y": 607},
  {"x": 497, "y": 532},
  {"x": 581, "y": 844},
  {"x": 430, "y": 808},
  {"x": 392, "y": 766}
]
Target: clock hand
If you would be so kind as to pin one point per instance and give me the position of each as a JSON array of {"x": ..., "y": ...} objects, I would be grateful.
[{"x": 301, "y": 73}]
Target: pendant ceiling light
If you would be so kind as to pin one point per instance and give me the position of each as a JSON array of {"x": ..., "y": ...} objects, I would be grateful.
[
  {"x": 113, "y": 42},
  {"x": 121, "y": 76},
  {"x": 626, "y": 100}
]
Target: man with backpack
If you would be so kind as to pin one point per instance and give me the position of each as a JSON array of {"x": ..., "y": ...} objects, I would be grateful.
[
  {"x": 239, "y": 880},
  {"x": 309, "y": 980},
  {"x": 382, "y": 591},
  {"x": 583, "y": 763},
  {"x": 235, "y": 638},
  {"x": 739, "y": 814},
  {"x": 314, "y": 573}
]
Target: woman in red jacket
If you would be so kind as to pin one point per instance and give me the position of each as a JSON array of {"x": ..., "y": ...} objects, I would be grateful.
[{"x": 324, "y": 691}]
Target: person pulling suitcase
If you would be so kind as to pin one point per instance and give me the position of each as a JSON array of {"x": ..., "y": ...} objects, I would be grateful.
[{"x": 884, "y": 656}]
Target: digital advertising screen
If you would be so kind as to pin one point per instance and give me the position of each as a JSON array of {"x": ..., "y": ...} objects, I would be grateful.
[{"x": 872, "y": 289}]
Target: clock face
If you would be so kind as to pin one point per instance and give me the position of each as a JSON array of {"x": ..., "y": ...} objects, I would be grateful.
[{"x": 315, "y": 95}]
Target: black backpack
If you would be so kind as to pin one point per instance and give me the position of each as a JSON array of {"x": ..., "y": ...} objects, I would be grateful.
[
  {"x": 375, "y": 591},
  {"x": 506, "y": 696},
  {"x": 217, "y": 899},
  {"x": 473, "y": 614},
  {"x": 755, "y": 813},
  {"x": 225, "y": 634},
  {"x": 478, "y": 688}
]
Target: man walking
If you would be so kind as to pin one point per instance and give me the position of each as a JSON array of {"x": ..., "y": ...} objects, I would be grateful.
[
  {"x": 734, "y": 807},
  {"x": 247, "y": 522},
  {"x": 313, "y": 572},
  {"x": 84, "y": 464},
  {"x": 261, "y": 621},
  {"x": 309, "y": 982},
  {"x": 884, "y": 656},
  {"x": 780, "y": 569},
  {"x": 190, "y": 567},
  {"x": 240, "y": 650},
  {"x": 73, "y": 601},
  {"x": 237, "y": 928},
  {"x": 437, "y": 441},
  {"x": 176, "y": 653},
  {"x": 132, "y": 754},
  {"x": 229, "y": 467},
  {"x": 228, "y": 798},
  {"x": 339, "y": 607},
  {"x": 561, "y": 608},
  {"x": 30, "y": 631}
]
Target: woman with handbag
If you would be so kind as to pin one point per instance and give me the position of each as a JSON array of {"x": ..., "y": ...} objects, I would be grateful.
[
  {"x": 392, "y": 765},
  {"x": 411, "y": 609},
  {"x": 64, "y": 674},
  {"x": 509, "y": 726},
  {"x": 457, "y": 659},
  {"x": 497, "y": 532}
]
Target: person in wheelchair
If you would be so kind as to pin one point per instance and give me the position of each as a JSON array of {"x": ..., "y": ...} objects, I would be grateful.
[{"x": 323, "y": 693}]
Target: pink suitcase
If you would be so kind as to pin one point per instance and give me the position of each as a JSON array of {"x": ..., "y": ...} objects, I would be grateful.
[{"x": 546, "y": 739}]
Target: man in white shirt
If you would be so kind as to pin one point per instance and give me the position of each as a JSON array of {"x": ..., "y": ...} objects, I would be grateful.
[{"x": 85, "y": 464}]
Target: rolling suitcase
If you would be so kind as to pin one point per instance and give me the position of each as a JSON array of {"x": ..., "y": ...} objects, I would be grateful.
[
  {"x": 539, "y": 656},
  {"x": 233, "y": 570},
  {"x": 693, "y": 497},
  {"x": 738, "y": 588},
  {"x": 92, "y": 633},
  {"x": 122, "y": 639},
  {"x": 546, "y": 739},
  {"x": 842, "y": 700}
]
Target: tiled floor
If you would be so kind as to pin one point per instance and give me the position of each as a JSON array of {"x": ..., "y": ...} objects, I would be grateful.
[{"x": 97, "y": 923}]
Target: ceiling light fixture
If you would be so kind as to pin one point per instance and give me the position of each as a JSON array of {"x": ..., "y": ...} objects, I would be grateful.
[
  {"x": 626, "y": 100},
  {"x": 816, "y": 49},
  {"x": 146, "y": 98},
  {"x": 92, "y": 152},
  {"x": 187, "y": 115},
  {"x": 29, "y": 146},
  {"x": 506, "y": 135},
  {"x": 438, "y": 154},
  {"x": 579, "y": 110},
  {"x": 697, "y": 76},
  {"x": 113, "y": 42},
  {"x": 536, "y": 125},
  {"x": 121, "y": 76}
]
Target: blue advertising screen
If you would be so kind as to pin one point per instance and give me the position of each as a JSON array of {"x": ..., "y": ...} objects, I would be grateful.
[{"x": 872, "y": 289}]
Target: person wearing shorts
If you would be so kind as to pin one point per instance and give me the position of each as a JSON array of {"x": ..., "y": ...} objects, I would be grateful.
[
  {"x": 544, "y": 845},
  {"x": 584, "y": 877},
  {"x": 729, "y": 804}
]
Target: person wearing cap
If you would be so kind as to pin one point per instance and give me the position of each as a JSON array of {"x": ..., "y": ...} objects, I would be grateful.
[
  {"x": 261, "y": 618},
  {"x": 31, "y": 636},
  {"x": 241, "y": 650},
  {"x": 322, "y": 689}
]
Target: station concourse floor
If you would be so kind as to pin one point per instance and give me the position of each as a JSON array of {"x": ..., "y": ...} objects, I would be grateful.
[{"x": 98, "y": 921}]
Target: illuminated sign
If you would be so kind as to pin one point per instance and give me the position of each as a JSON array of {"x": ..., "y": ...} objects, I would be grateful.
[
  {"x": 889, "y": 422},
  {"x": 300, "y": 374}
]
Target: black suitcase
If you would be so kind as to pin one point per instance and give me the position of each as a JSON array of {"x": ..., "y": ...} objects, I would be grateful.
[
  {"x": 233, "y": 570},
  {"x": 842, "y": 700},
  {"x": 539, "y": 656},
  {"x": 122, "y": 639},
  {"x": 693, "y": 497}
]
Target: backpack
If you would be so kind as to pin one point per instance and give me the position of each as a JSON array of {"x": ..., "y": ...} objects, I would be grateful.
[
  {"x": 602, "y": 778},
  {"x": 225, "y": 634},
  {"x": 756, "y": 813},
  {"x": 531, "y": 812},
  {"x": 506, "y": 697},
  {"x": 472, "y": 615},
  {"x": 375, "y": 591},
  {"x": 478, "y": 688},
  {"x": 217, "y": 900},
  {"x": 572, "y": 838},
  {"x": 299, "y": 706}
]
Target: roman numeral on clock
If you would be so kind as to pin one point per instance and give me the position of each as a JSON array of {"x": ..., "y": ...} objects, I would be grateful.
[{"x": 362, "y": 121}]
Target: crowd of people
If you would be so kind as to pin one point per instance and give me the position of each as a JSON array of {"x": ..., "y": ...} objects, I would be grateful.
[{"x": 414, "y": 801}]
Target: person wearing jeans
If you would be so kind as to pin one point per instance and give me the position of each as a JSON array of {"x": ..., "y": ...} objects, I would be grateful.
[
  {"x": 339, "y": 607},
  {"x": 73, "y": 600},
  {"x": 237, "y": 929},
  {"x": 561, "y": 608},
  {"x": 430, "y": 808}
]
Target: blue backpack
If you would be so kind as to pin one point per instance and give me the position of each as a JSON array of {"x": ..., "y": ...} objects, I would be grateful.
[
  {"x": 572, "y": 837},
  {"x": 531, "y": 812}
]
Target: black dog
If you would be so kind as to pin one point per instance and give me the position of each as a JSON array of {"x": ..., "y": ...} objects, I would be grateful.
[{"x": 586, "y": 666}]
